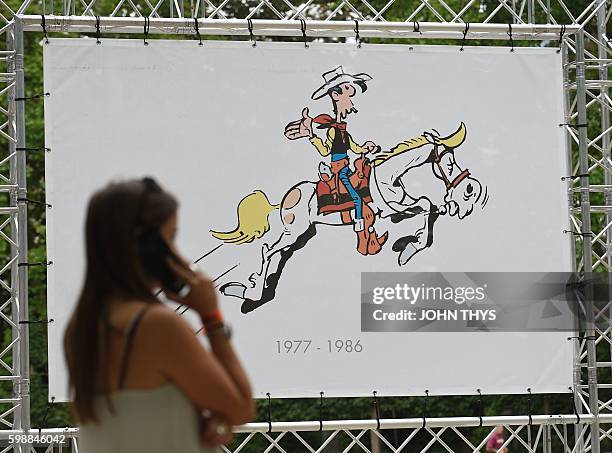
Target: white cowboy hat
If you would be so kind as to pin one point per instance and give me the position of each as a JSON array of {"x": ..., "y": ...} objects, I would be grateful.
[{"x": 336, "y": 77}]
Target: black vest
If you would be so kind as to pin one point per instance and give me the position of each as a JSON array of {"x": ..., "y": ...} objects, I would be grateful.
[{"x": 340, "y": 144}]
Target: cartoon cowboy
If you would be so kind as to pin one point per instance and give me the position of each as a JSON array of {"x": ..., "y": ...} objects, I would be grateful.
[{"x": 341, "y": 88}]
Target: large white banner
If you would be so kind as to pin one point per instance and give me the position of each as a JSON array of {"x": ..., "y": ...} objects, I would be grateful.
[{"x": 466, "y": 159}]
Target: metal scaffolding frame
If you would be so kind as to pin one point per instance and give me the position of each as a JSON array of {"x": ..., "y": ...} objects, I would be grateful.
[{"x": 587, "y": 57}]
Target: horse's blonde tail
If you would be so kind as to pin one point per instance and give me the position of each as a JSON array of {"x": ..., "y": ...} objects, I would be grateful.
[{"x": 253, "y": 211}]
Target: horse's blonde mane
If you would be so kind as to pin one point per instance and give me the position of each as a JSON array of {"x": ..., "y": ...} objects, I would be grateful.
[
  {"x": 406, "y": 145},
  {"x": 452, "y": 141}
]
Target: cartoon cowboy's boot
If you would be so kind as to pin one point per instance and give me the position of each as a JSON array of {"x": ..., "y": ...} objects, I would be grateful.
[
  {"x": 368, "y": 241},
  {"x": 383, "y": 238},
  {"x": 376, "y": 242}
]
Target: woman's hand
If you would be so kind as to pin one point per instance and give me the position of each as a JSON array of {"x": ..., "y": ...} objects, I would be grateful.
[
  {"x": 215, "y": 431},
  {"x": 201, "y": 296}
]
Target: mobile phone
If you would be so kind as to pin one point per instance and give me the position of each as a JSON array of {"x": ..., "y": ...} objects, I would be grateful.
[{"x": 154, "y": 251}]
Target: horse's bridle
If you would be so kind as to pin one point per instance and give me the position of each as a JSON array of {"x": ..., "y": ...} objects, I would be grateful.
[{"x": 460, "y": 177}]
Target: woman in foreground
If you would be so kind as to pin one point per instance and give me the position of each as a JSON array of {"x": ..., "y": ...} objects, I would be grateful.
[{"x": 140, "y": 379}]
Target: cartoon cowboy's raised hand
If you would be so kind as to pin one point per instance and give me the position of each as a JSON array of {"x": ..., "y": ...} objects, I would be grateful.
[{"x": 301, "y": 128}]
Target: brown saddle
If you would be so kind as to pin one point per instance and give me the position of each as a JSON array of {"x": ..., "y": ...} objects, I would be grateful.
[{"x": 332, "y": 195}]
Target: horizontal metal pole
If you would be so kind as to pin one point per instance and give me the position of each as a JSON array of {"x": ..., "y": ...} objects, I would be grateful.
[
  {"x": 593, "y": 84},
  {"x": 594, "y": 188},
  {"x": 599, "y": 385},
  {"x": 402, "y": 423},
  {"x": 598, "y": 365},
  {"x": 314, "y": 28},
  {"x": 595, "y": 210}
]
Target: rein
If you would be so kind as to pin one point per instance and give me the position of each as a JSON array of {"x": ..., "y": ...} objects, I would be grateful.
[{"x": 460, "y": 177}]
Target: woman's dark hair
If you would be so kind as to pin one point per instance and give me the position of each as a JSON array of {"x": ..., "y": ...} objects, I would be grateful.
[{"x": 116, "y": 215}]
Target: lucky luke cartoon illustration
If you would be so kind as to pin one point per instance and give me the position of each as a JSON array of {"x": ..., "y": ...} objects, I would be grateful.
[
  {"x": 381, "y": 184},
  {"x": 341, "y": 189}
]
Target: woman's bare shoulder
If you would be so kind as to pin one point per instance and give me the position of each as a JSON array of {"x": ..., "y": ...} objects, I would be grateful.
[
  {"x": 168, "y": 337},
  {"x": 162, "y": 312},
  {"x": 161, "y": 320}
]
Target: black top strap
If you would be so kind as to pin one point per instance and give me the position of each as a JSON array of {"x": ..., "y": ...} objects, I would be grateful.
[{"x": 127, "y": 344}]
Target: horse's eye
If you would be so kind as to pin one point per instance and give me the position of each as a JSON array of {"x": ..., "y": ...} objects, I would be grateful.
[{"x": 469, "y": 188}]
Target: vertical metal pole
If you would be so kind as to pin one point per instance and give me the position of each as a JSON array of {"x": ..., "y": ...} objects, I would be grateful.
[
  {"x": 13, "y": 195},
  {"x": 605, "y": 113},
  {"x": 585, "y": 207},
  {"x": 22, "y": 219},
  {"x": 579, "y": 439},
  {"x": 605, "y": 124},
  {"x": 547, "y": 439},
  {"x": 567, "y": 105},
  {"x": 530, "y": 12}
]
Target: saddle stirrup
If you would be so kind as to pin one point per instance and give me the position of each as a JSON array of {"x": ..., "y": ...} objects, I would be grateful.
[{"x": 359, "y": 225}]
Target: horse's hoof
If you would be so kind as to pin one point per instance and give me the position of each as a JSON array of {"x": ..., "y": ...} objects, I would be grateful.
[
  {"x": 406, "y": 254},
  {"x": 233, "y": 289}
]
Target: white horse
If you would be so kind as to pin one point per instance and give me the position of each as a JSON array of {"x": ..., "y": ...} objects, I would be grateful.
[{"x": 391, "y": 200}]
